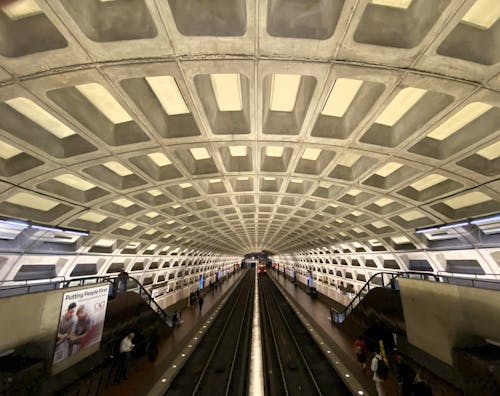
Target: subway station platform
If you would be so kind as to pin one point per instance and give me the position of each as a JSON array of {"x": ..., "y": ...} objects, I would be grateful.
[{"x": 143, "y": 374}]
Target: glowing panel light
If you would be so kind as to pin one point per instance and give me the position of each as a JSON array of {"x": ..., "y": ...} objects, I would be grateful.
[
  {"x": 341, "y": 96},
  {"x": 428, "y": 181},
  {"x": 104, "y": 102},
  {"x": 159, "y": 159},
  {"x": 238, "y": 151},
  {"x": 33, "y": 201},
  {"x": 227, "y": 90},
  {"x": 22, "y": 9},
  {"x": 404, "y": 4},
  {"x": 459, "y": 120},
  {"x": 39, "y": 116},
  {"x": 93, "y": 217},
  {"x": 74, "y": 181},
  {"x": 168, "y": 94},
  {"x": 199, "y": 153},
  {"x": 117, "y": 168},
  {"x": 123, "y": 202},
  {"x": 466, "y": 200},
  {"x": 483, "y": 14},
  {"x": 128, "y": 226},
  {"x": 7, "y": 151},
  {"x": 490, "y": 153},
  {"x": 388, "y": 169},
  {"x": 185, "y": 185},
  {"x": 404, "y": 101},
  {"x": 349, "y": 159},
  {"x": 284, "y": 89},
  {"x": 411, "y": 215},
  {"x": 383, "y": 202},
  {"x": 311, "y": 154},
  {"x": 274, "y": 151},
  {"x": 154, "y": 192},
  {"x": 105, "y": 242}
]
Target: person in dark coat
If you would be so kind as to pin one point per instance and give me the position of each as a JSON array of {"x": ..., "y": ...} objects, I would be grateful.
[{"x": 200, "y": 303}]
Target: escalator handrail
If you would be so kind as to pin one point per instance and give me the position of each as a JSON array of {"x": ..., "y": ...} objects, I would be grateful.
[{"x": 339, "y": 316}]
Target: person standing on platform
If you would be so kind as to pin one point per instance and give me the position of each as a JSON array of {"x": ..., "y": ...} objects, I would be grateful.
[
  {"x": 200, "y": 303},
  {"x": 122, "y": 280},
  {"x": 125, "y": 355},
  {"x": 380, "y": 371}
]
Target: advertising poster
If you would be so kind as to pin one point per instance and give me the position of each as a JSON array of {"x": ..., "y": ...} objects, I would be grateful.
[{"x": 81, "y": 322}]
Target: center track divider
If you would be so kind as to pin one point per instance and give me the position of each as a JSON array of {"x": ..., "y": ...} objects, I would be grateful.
[
  {"x": 348, "y": 378},
  {"x": 196, "y": 336}
]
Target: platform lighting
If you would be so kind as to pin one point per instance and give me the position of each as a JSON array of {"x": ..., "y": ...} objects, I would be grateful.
[
  {"x": 26, "y": 224},
  {"x": 463, "y": 223}
]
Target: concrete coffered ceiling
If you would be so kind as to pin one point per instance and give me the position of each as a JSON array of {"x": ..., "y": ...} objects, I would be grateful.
[{"x": 237, "y": 126}]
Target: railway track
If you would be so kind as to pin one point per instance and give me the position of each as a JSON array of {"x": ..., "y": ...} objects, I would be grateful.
[
  {"x": 293, "y": 362},
  {"x": 219, "y": 366}
]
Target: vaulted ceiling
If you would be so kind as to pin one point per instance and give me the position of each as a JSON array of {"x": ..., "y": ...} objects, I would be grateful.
[{"x": 237, "y": 126}]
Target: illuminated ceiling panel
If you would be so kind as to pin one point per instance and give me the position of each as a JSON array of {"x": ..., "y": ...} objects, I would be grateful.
[
  {"x": 39, "y": 116},
  {"x": 428, "y": 181},
  {"x": 311, "y": 154},
  {"x": 22, "y": 9},
  {"x": 227, "y": 89},
  {"x": 199, "y": 153},
  {"x": 388, "y": 169},
  {"x": 75, "y": 182},
  {"x": 491, "y": 152},
  {"x": 7, "y": 151},
  {"x": 341, "y": 96},
  {"x": 469, "y": 199},
  {"x": 459, "y": 120},
  {"x": 284, "y": 89},
  {"x": 483, "y": 14},
  {"x": 30, "y": 200},
  {"x": 168, "y": 94},
  {"x": 104, "y": 102},
  {"x": 399, "y": 106},
  {"x": 117, "y": 168},
  {"x": 159, "y": 159}
]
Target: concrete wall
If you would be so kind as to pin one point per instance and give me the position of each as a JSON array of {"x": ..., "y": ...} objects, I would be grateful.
[
  {"x": 29, "y": 323},
  {"x": 440, "y": 316}
]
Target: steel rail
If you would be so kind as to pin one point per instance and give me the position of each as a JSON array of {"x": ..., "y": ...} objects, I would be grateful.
[
  {"x": 273, "y": 333},
  {"x": 210, "y": 357},
  {"x": 299, "y": 350}
]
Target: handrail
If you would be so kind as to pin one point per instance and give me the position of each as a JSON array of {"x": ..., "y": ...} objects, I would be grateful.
[
  {"x": 339, "y": 317},
  {"x": 146, "y": 296},
  {"x": 65, "y": 283},
  {"x": 35, "y": 281},
  {"x": 475, "y": 276}
]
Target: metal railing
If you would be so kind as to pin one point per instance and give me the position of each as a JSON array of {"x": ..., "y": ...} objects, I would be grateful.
[
  {"x": 10, "y": 288},
  {"x": 389, "y": 280}
]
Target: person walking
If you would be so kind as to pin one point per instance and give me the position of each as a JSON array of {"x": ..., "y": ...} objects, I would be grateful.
[
  {"x": 380, "y": 371},
  {"x": 360, "y": 350},
  {"x": 200, "y": 303},
  {"x": 125, "y": 355}
]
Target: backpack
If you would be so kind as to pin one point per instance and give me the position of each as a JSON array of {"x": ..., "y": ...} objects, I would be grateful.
[{"x": 382, "y": 369}]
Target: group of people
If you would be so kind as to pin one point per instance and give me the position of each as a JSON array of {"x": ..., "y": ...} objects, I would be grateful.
[
  {"x": 73, "y": 331},
  {"x": 410, "y": 382}
]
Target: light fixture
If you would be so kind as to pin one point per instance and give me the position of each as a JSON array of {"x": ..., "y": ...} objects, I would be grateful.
[
  {"x": 284, "y": 89},
  {"x": 341, "y": 96},
  {"x": 462, "y": 223},
  {"x": 100, "y": 97},
  {"x": 227, "y": 90},
  {"x": 39, "y": 116},
  {"x": 399, "y": 105},
  {"x": 168, "y": 94}
]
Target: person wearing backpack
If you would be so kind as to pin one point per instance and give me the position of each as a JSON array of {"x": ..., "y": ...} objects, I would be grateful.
[{"x": 380, "y": 372}]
